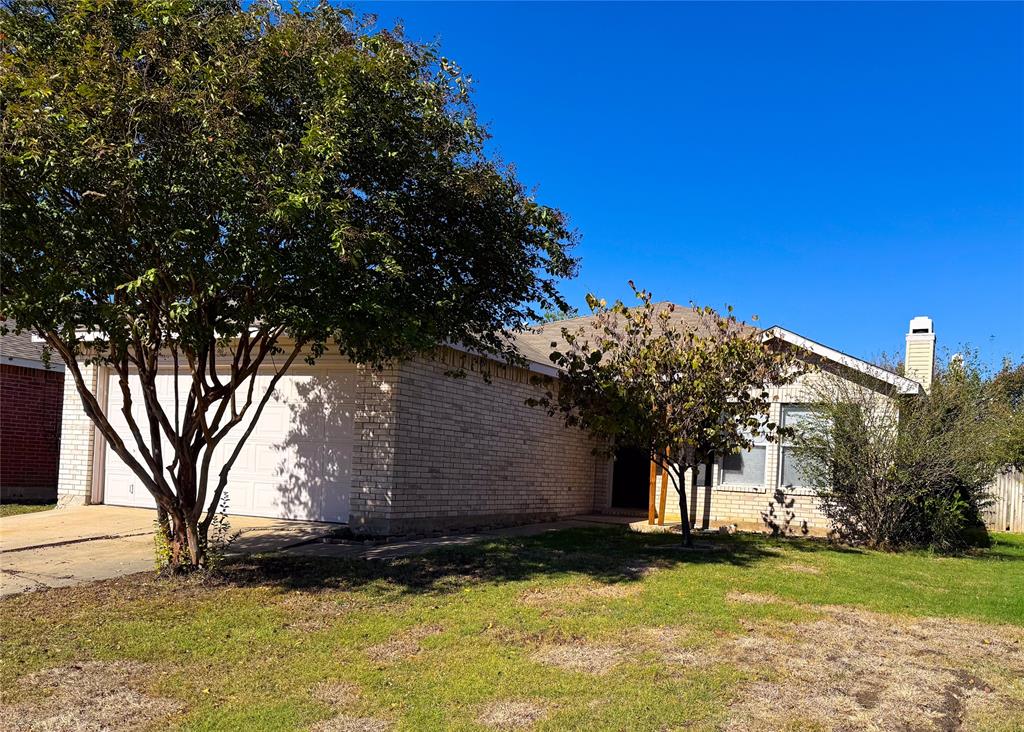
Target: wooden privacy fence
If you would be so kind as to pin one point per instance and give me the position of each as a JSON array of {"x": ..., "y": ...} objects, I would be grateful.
[{"x": 1007, "y": 510}]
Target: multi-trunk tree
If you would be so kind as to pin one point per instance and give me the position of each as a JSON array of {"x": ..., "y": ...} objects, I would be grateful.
[
  {"x": 684, "y": 389},
  {"x": 213, "y": 191}
]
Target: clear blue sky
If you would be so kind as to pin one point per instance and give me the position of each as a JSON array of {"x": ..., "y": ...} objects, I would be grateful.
[{"x": 835, "y": 169}]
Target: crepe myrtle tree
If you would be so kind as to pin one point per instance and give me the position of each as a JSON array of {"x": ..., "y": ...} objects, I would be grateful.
[
  {"x": 634, "y": 378},
  {"x": 214, "y": 190}
]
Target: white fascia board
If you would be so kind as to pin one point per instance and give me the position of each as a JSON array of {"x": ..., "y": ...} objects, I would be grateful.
[
  {"x": 902, "y": 384},
  {"x": 532, "y": 366}
]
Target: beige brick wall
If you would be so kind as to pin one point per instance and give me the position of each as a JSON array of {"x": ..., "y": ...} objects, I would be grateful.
[
  {"x": 374, "y": 446},
  {"x": 77, "y": 440},
  {"x": 472, "y": 453}
]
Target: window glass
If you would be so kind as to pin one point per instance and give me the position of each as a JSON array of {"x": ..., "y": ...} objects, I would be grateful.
[
  {"x": 745, "y": 468},
  {"x": 793, "y": 415},
  {"x": 791, "y": 475}
]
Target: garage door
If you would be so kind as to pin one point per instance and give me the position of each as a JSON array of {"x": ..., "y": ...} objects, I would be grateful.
[{"x": 296, "y": 464}]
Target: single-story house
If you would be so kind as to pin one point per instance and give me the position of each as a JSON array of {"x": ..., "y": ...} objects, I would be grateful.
[
  {"x": 412, "y": 448},
  {"x": 31, "y": 403}
]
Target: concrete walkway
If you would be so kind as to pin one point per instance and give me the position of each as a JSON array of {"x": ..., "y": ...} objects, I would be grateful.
[
  {"x": 412, "y": 547},
  {"x": 68, "y": 546}
]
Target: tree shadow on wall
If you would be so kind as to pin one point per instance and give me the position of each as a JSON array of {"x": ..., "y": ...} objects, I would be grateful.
[{"x": 312, "y": 477}]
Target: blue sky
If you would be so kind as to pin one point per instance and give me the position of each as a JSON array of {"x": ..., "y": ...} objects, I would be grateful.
[{"x": 835, "y": 169}]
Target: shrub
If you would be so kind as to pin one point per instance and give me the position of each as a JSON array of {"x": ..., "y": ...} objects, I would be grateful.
[{"x": 903, "y": 471}]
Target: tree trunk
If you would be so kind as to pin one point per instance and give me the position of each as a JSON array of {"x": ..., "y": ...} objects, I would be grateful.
[
  {"x": 684, "y": 511},
  {"x": 187, "y": 543},
  {"x": 196, "y": 547}
]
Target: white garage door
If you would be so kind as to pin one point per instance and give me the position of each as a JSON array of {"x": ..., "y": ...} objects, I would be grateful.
[{"x": 296, "y": 464}]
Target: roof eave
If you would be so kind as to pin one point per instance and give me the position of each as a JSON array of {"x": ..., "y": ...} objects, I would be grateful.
[{"x": 902, "y": 384}]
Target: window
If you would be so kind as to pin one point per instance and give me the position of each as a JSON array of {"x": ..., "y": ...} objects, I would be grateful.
[
  {"x": 747, "y": 467},
  {"x": 702, "y": 470},
  {"x": 790, "y": 473}
]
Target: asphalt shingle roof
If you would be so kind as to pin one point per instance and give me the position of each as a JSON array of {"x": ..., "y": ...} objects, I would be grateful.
[
  {"x": 19, "y": 346},
  {"x": 535, "y": 343}
]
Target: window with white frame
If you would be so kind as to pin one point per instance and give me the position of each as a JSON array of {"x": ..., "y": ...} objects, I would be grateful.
[
  {"x": 746, "y": 468},
  {"x": 790, "y": 473}
]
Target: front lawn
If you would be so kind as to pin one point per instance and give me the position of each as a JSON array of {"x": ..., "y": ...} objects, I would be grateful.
[
  {"x": 13, "y": 509},
  {"x": 581, "y": 629}
]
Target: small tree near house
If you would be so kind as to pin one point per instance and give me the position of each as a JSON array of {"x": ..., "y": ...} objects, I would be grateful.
[
  {"x": 683, "y": 389},
  {"x": 215, "y": 191}
]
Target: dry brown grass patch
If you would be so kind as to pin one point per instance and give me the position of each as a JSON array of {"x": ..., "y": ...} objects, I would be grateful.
[
  {"x": 511, "y": 714},
  {"x": 352, "y": 724},
  {"x": 337, "y": 694},
  {"x": 311, "y": 612},
  {"x": 801, "y": 568},
  {"x": 576, "y": 594},
  {"x": 581, "y": 655},
  {"x": 87, "y": 697},
  {"x": 405, "y": 645},
  {"x": 856, "y": 670},
  {"x": 754, "y": 598}
]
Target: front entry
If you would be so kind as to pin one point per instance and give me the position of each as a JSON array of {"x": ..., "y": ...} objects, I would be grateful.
[{"x": 631, "y": 479}]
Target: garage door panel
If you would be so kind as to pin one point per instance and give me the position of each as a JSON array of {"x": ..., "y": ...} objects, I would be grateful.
[{"x": 295, "y": 464}]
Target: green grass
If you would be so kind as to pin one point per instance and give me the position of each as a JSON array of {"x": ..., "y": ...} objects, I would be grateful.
[
  {"x": 244, "y": 652},
  {"x": 13, "y": 509}
]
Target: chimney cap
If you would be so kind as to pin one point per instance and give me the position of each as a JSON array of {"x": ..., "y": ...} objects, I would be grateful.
[{"x": 921, "y": 324}]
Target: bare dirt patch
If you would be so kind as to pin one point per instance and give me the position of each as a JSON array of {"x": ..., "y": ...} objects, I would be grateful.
[
  {"x": 406, "y": 645},
  {"x": 581, "y": 655},
  {"x": 856, "y": 670},
  {"x": 511, "y": 714},
  {"x": 88, "y": 697}
]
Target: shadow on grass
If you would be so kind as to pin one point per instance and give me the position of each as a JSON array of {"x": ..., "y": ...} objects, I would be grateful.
[{"x": 608, "y": 555}]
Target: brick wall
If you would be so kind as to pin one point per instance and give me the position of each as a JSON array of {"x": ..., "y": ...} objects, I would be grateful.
[
  {"x": 472, "y": 453},
  {"x": 30, "y": 421},
  {"x": 74, "y": 480},
  {"x": 374, "y": 445}
]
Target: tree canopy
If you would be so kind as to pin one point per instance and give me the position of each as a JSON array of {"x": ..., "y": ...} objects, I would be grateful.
[
  {"x": 1007, "y": 389},
  {"x": 202, "y": 185},
  {"x": 683, "y": 392}
]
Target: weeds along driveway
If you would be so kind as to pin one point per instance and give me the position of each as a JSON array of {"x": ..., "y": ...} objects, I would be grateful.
[{"x": 68, "y": 546}]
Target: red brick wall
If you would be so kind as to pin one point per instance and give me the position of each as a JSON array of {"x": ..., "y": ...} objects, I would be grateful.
[{"x": 30, "y": 415}]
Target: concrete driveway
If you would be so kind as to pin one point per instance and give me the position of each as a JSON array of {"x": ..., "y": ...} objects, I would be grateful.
[{"x": 68, "y": 546}]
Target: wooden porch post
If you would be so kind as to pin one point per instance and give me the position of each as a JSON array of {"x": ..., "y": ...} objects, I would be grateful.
[{"x": 652, "y": 492}]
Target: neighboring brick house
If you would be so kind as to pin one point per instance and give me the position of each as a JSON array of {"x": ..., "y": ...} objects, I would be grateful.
[
  {"x": 31, "y": 402},
  {"x": 413, "y": 448}
]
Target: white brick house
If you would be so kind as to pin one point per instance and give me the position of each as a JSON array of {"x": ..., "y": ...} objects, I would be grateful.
[{"x": 412, "y": 448}]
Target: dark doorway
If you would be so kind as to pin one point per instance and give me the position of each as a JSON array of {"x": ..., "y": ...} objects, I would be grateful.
[{"x": 631, "y": 479}]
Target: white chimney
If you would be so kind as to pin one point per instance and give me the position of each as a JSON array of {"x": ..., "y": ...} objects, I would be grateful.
[{"x": 920, "y": 362}]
